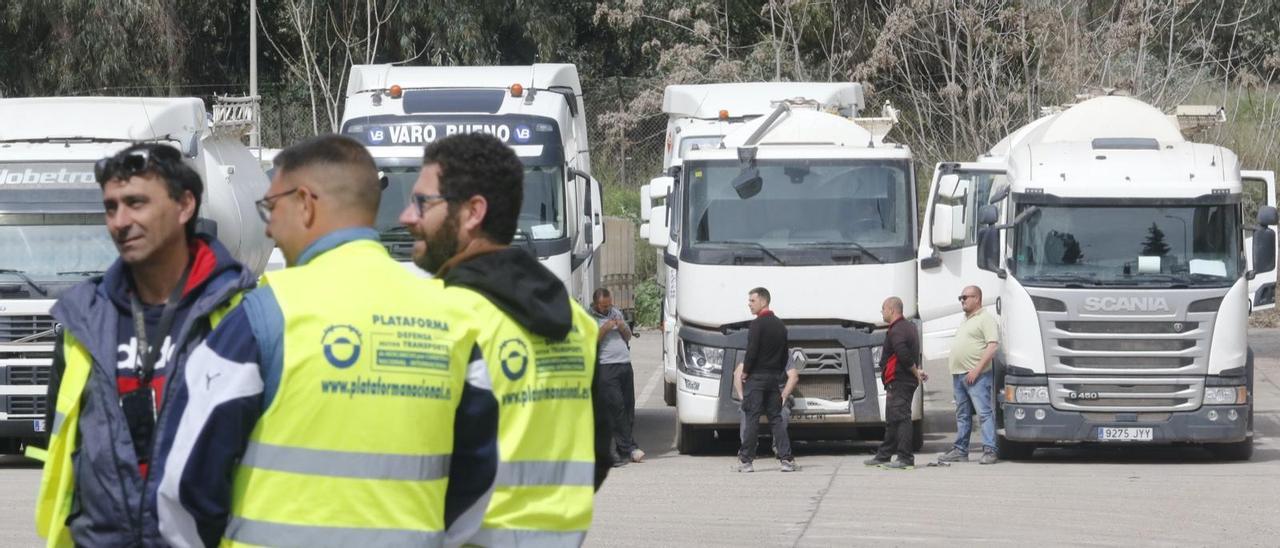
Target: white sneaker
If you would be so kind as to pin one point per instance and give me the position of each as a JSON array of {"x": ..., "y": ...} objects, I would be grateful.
[{"x": 637, "y": 455}]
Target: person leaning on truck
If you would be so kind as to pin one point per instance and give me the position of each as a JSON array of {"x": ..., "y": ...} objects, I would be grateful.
[
  {"x": 124, "y": 335},
  {"x": 763, "y": 371},
  {"x": 553, "y": 438},
  {"x": 972, "y": 378},
  {"x": 344, "y": 402},
  {"x": 901, "y": 374}
]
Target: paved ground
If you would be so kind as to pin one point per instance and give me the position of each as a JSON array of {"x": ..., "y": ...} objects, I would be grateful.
[{"x": 1165, "y": 496}]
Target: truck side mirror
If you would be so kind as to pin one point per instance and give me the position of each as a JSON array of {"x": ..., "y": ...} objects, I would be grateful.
[
  {"x": 1267, "y": 216},
  {"x": 748, "y": 183},
  {"x": 659, "y": 230},
  {"x": 1264, "y": 248},
  {"x": 988, "y": 215},
  {"x": 941, "y": 233},
  {"x": 989, "y": 249}
]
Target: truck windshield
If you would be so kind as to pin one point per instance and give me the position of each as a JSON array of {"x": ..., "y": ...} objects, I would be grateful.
[
  {"x": 1185, "y": 245},
  {"x": 55, "y": 245},
  {"x": 541, "y": 214},
  {"x": 809, "y": 205}
]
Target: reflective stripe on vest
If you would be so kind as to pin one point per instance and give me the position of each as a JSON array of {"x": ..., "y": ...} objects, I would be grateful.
[
  {"x": 525, "y": 538},
  {"x": 354, "y": 448},
  {"x": 280, "y": 534},
  {"x": 544, "y": 489}
]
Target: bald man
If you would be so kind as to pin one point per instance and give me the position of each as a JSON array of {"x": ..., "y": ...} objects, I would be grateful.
[
  {"x": 901, "y": 373},
  {"x": 340, "y": 390}
]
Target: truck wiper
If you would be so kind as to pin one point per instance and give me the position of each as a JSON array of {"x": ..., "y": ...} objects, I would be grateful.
[
  {"x": 841, "y": 245},
  {"x": 756, "y": 245},
  {"x": 1067, "y": 280},
  {"x": 80, "y": 273},
  {"x": 39, "y": 289}
]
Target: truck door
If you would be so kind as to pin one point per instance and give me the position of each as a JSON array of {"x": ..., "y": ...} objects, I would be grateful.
[
  {"x": 948, "y": 252},
  {"x": 1259, "y": 189}
]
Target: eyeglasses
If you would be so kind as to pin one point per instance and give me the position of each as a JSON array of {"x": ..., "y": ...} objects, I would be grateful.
[
  {"x": 268, "y": 203},
  {"x": 963, "y": 297},
  {"x": 126, "y": 165},
  {"x": 421, "y": 200}
]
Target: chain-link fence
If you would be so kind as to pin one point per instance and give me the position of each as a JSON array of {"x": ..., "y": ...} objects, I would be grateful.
[{"x": 627, "y": 144}]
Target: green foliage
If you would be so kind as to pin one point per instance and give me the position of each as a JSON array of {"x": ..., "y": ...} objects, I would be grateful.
[{"x": 648, "y": 303}]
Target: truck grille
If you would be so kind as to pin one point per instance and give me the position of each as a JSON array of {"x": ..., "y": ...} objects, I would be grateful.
[
  {"x": 1132, "y": 394},
  {"x": 1124, "y": 347},
  {"x": 824, "y": 387},
  {"x": 823, "y": 359},
  {"x": 28, "y": 375},
  {"x": 28, "y": 329},
  {"x": 25, "y": 405}
]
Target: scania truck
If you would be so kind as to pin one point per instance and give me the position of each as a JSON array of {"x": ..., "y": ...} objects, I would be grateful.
[
  {"x": 820, "y": 210},
  {"x": 699, "y": 115},
  {"x": 537, "y": 110},
  {"x": 1119, "y": 258},
  {"x": 52, "y": 228}
]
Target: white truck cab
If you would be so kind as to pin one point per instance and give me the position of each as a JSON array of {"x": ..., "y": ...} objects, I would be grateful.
[
  {"x": 1117, "y": 257},
  {"x": 52, "y": 229},
  {"x": 537, "y": 110},
  {"x": 820, "y": 210}
]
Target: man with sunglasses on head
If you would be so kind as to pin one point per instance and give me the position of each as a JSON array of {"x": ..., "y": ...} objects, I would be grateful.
[
  {"x": 972, "y": 350},
  {"x": 344, "y": 402},
  {"x": 115, "y": 390},
  {"x": 553, "y": 441}
]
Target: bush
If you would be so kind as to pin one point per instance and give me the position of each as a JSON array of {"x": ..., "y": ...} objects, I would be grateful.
[{"x": 649, "y": 303}]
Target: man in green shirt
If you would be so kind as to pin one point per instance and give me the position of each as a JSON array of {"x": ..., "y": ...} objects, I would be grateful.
[{"x": 972, "y": 349}]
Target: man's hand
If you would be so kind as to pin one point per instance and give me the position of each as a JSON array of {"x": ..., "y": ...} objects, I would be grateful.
[
  {"x": 739, "y": 378},
  {"x": 971, "y": 377},
  {"x": 920, "y": 374}
]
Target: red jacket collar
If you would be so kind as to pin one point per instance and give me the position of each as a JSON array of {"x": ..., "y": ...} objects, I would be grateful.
[{"x": 764, "y": 312}]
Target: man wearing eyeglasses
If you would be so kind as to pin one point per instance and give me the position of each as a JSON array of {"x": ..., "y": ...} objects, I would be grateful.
[
  {"x": 126, "y": 335},
  {"x": 344, "y": 403},
  {"x": 972, "y": 350},
  {"x": 553, "y": 441}
]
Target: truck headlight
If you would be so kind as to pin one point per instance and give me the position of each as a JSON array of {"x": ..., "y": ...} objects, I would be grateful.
[
  {"x": 703, "y": 361},
  {"x": 1026, "y": 394},
  {"x": 1226, "y": 395}
]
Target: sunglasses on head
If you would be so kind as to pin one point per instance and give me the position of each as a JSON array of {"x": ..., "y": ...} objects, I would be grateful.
[{"x": 128, "y": 164}]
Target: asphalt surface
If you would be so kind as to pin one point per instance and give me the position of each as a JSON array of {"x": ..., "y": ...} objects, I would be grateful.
[{"x": 1110, "y": 496}]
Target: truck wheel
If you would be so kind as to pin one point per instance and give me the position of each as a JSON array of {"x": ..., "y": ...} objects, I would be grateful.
[
  {"x": 917, "y": 435},
  {"x": 691, "y": 440},
  {"x": 669, "y": 393},
  {"x": 1013, "y": 450}
]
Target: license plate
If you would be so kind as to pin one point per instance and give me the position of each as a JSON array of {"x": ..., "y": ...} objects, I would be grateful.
[
  {"x": 801, "y": 417},
  {"x": 38, "y": 425},
  {"x": 1125, "y": 434}
]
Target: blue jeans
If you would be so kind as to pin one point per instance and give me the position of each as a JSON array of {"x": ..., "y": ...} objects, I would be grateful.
[{"x": 969, "y": 397}]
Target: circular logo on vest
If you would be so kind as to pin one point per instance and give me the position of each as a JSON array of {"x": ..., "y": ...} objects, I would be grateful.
[
  {"x": 515, "y": 358},
  {"x": 341, "y": 345}
]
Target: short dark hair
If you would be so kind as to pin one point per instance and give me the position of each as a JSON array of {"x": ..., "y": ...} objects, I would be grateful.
[
  {"x": 165, "y": 162},
  {"x": 474, "y": 164},
  {"x": 762, "y": 293},
  {"x": 350, "y": 159},
  {"x": 600, "y": 293}
]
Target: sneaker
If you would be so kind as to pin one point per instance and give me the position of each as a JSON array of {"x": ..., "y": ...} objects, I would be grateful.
[
  {"x": 637, "y": 455},
  {"x": 873, "y": 461},
  {"x": 954, "y": 455},
  {"x": 742, "y": 467},
  {"x": 619, "y": 463},
  {"x": 898, "y": 465},
  {"x": 789, "y": 465},
  {"x": 988, "y": 457}
]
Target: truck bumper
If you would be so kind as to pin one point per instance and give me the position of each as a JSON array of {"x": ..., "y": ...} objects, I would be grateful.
[
  {"x": 23, "y": 428},
  {"x": 1071, "y": 426}
]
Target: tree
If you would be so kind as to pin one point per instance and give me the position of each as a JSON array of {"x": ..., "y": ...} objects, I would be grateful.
[{"x": 1154, "y": 244}]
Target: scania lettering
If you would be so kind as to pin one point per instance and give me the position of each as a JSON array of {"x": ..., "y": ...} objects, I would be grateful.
[
  {"x": 808, "y": 202},
  {"x": 52, "y": 232},
  {"x": 537, "y": 110},
  {"x": 1122, "y": 262}
]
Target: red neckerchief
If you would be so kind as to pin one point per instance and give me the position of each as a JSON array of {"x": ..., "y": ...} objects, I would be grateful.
[{"x": 764, "y": 312}]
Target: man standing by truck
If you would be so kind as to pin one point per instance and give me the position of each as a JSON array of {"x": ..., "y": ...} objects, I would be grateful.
[
  {"x": 972, "y": 378},
  {"x": 553, "y": 439},
  {"x": 124, "y": 334},
  {"x": 617, "y": 378},
  {"x": 763, "y": 370},
  {"x": 901, "y": 375}
]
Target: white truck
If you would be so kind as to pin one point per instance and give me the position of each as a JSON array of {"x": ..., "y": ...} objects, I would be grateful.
[
  {"x": 1121, "y": 263},
  {"x": 814, "y": 206},
  {"x": 537, "y": 110},
  {"x": 52, "y": 228}
]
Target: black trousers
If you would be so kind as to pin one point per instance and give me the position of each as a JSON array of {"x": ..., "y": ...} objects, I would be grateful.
[
  {"x": 618, "y": 386},
  {"x": 897, "y": 430},
  {"x": 762, "y": 397}
]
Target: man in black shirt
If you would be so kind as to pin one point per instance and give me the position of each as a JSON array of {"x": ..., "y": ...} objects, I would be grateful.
[
  {"x": 901, "y": 374},
  {"x": 763, "y": 371}
]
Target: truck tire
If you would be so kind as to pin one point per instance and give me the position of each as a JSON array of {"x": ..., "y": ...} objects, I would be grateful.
[
  {"x": 669, "y": 393},
  {"x": 1008, "y": 449},
  {"x": 917, "y": 435},
  {"x": 691, "y": 440}
]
